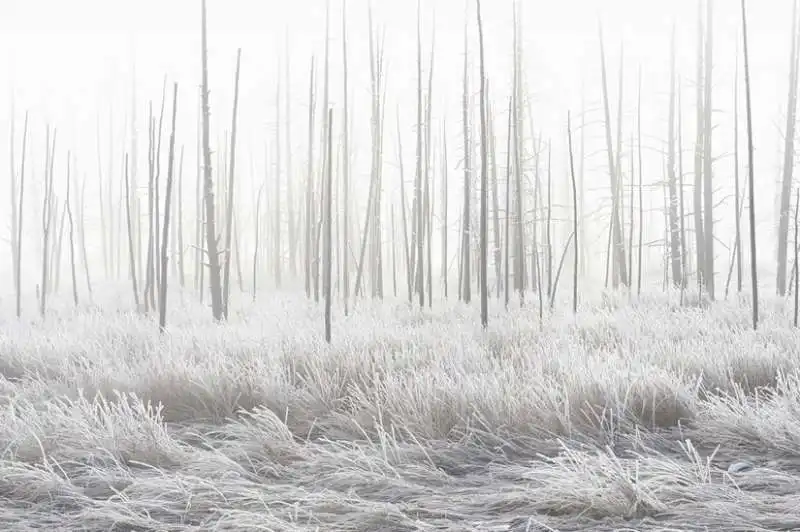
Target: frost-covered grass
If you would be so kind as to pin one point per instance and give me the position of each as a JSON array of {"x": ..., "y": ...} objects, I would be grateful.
[{"x": 625, "y": 417}]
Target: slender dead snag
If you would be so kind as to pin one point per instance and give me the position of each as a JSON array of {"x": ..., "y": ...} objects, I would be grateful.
[
  {"x": 796, "y": 255},
  {"x": 131, "y": 246},
  {"x": 181, "y": 265},
  {"x": 708, "y": 191},
  {"x": 574, "y": 217},
  {"x": 466, "y": 276},
  {"x": 641, "y": 207},
  {"x": 404, "y": 216},
  {"x": 100, "y": 180},
  {"x": 154, "y": 287},
  {"x": 736, "y": 165},
  {"x": 699, "y": 227},
  {"x": 20, "y": 211},
  {"x": 788, "y": 158},
  {"x": 68, "y": 204},
  {"x": 278, "y": 253},
  {"x": 47, "y": 217},
  {"x": 497, "y": 244},
  {"x": 419, "y": 226},
  {"x": 257, "y": 226},
  {"x": 484, "y": 228},
  {"x": 346, "y": 176},
  {"x": 519, "y": 254},
  {"x": 328, "y": 240},
  {"x": 507, "y": 271},
  {"x": 394, "y": 253},
  {"x": 561, "y": 261},
  {"x": 214, "y": 277},
  {"x": 615, "y": 238},
  {"x": 149, "y": 267},
  {"x": 289, "y": 175},
  {"x": 751, "y": 176},
  {"x": 226, "y": 284},
  {"x": 429, "y": 177},
  {"x": 309, "y": 229},
  {"x": 549, "y": 221},
  {"x": 162, "y": 295},
  {"x": 15, "y": 206},
  {"x": 445, "y": 269},
  {"x": 674, "y": 227}
]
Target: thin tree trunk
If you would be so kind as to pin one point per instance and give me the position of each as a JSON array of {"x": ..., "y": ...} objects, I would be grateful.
[
  {"x": 708, "y": 191},
  {"x": 328, "y": 241},
  {"x": 131, "y": 246},
  {"x": 211, "y": 232},
  {"x": 698, "y": 157},
  {"x": 484, "y": 184},
  {"x": 20, "y": 217},
  {"x": 162, "y": 295},
  {"x": 346, "y": 178},
  {"x": 310, "y": 216},
  {"x": 751, "y": 176},
  {"x": 788, "y": 159},
  {"x": 617, "y": 244},
  {"x": 466, "y": 277},
  {"x": 575, "y": 267},
  {"x": 68, "y": 203}
]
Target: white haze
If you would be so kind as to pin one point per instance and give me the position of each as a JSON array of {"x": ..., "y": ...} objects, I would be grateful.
[{"x": 70, "y": 64}]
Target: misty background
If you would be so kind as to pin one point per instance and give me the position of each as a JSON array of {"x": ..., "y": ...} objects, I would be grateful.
[{"x": 74, "y": 65}]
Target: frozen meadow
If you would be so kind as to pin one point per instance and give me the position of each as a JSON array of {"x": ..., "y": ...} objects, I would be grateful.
[{"x": 636, "y": 414}]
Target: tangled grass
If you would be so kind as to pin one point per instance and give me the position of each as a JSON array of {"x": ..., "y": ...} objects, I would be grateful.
[{"x": 625, "y": 417}]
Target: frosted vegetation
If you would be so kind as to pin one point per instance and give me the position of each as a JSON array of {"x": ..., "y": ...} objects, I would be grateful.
[{"x": 626, "y": 415}]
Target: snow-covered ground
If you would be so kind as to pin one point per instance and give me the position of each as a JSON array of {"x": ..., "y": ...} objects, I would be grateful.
[{"x": 626, "y": 417}]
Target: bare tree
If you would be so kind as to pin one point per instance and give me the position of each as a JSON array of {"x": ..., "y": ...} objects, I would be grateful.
[
  {"x": 574, "y": 217},
  {"x": 465, "y": 290},
  {"x": 310, "y": 238},
  {"x": 47, "y": 218},
  {"x": 328, "y": 240},
  {"x": 484, "y": 183},
  {"x": 68, "y": 205},
  {"x": 346, "y": 173},
  {"x": 752, "y": 199},
  {"x": 788, "y": 158},
  {"x": 226, "y": 284},
  {"x": 617, "y": 244},
  {"x": 708, "y": 191},
  {"x": 17, "y": 214},
  {"x": 699, "y": 227},
  {"x": 674, "y": 223},
  {"x": 162, "y": 295},
  {"x": 214, "y": 276},
  {"x": 131, "y": 246}
]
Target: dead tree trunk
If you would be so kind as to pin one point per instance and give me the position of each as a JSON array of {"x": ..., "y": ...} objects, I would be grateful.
[
  {"x": 575, "y": 266},
  {"x": 47, "y": 217},
  {"x": 698, "y": 158},
  {"x": 68, "y": 202},
  {"x": 708, "y": 191},
  {"x": 328, "y": 240},
  {"x": 19, "y": 218},
  {"x": 226, "y": 286},
  {"x": 752, "y": 199},
  {"x": 617, "y": 244},
  {"x": 484, "y": 183},
  {"x": 131, "y": 246},
  {"x": 788, "y": 159},
  {"x": 466, "y": 277},
  {"x": 162, "y": 295},
  {"x": 214, "y": 277}
]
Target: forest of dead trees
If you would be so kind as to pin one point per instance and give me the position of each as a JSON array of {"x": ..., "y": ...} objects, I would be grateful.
[{"x": 313, "y": 233}]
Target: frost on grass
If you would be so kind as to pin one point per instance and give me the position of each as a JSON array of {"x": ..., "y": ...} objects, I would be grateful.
[{"x": 631, "y": 416}]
